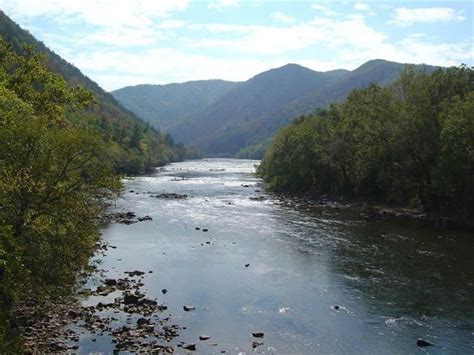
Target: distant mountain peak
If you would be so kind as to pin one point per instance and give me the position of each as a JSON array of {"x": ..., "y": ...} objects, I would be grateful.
[
  {"x": 379, "y": 62},
  {"x": 293, "y": 65}
]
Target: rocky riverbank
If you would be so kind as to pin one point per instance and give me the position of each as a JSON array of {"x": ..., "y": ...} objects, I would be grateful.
[
  {"x": 371, "y": 210},
  {"x": 134, "y": 321},
  {"x": 45, "y": 324},
  {"x": 121, "y": 310}
]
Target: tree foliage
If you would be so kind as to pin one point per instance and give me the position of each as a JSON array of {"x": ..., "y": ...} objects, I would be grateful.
[
  {"x": 411, "y": 142},
  {"x": 55, "y": 178}
]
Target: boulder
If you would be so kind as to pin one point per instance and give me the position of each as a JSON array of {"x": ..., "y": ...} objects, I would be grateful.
[
  {"x": 191, "y": 347},
  {"x": 110, "y": 282},
  {"x": 423, "y": 343},
  {"x": 131, "y": 299}
]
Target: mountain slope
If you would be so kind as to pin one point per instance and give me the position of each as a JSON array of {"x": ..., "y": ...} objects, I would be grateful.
[
  {"x": 249, "y": 113},
  {"x": 244, "y": 105},
  {"x": 163, "y": 105},
  {"x": 380, "y": 72},
  {"x": 252, "y": 112},
  {"x": 137, "y": 146}
]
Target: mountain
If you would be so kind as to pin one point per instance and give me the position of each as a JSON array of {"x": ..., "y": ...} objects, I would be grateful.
[
  {"x": 232, "y": 122},
  {"x": 378, "y": 71},
  {"x": 243, "y": 116},
  {"x": 164, "y": 105},
  {"x": 137, "y": 146}
]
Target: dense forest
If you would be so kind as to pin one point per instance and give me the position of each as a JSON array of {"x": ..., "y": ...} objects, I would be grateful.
[{"x": 411, "y": 143}]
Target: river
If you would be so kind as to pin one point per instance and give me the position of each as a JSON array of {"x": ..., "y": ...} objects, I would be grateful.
[{"x": 312, "y": 282}]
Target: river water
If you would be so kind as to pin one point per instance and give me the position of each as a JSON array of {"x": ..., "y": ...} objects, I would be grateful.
[{"x": 393, "y": 282}]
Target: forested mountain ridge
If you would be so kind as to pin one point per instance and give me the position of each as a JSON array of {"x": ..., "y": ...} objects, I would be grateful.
[
  {"x": 380, "y": 72},
  {"x": 230, "y": 123},
  {"x": 164, "y": 105},
  {"x": 250, "y": 112},
  {"x": 136, "y": 146}
]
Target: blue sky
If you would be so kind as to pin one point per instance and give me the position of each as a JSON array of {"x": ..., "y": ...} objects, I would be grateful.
[{"x": 124, "y": 42}]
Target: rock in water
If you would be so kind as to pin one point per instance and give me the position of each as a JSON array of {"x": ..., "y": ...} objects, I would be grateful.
[
  {"x": 135, "y": 273},
  {"x": 191, "y": 347},
  {"x": 110, "y": 282},
  {"x": 189, "y": 307},
  {"x": 258, "y": 335},
  {"x": 204, "y": 337},
  {"x": 256, "y": 344},
  {"x": 423, "y": 342},
  {"x": 130, "y": 299},
  {"x": 73, "y": 314},
  {"x": 142, "y": 321}
]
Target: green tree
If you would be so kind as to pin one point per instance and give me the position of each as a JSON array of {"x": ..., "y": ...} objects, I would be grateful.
[{"x": 55, "y": 178}]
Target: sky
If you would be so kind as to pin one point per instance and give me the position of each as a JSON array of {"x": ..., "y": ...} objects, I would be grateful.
[{"x": 128, "y": 42}]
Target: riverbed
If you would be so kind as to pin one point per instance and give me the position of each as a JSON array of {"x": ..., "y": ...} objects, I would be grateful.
[{"x": 325, "y": 281}]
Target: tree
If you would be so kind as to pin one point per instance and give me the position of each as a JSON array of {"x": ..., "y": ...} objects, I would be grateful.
[{"x": 55, "y": 178}]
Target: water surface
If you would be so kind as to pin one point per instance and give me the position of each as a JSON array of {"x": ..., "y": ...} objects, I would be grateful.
[{"x": 393, "y": 282}]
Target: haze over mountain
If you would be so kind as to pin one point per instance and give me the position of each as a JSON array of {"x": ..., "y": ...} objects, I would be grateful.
[{"x": 222, "y": 118}]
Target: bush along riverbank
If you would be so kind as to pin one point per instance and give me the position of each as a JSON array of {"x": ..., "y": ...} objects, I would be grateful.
[
  {"x": 58, "y": 174},
  {"x": 409, "y": 144}
]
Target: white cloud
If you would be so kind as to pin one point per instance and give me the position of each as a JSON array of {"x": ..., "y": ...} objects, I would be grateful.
[
  {"x": 171, "y": 24},
  {"x": 271, "y": 40},
  {"x": 282, "y": 18},
  {"x": 120, "y": 68},
  {"x": 106, "y": 13},
  {"x": 361, "y": 6},
  {"x": 125, "y": 44},
  {"x": 163, "y": 65},
  {"x": 220, "y": 4},
  {"x": 219, "y": 28},
  {"x": 415, "y": 48},
  {"x": 406, "y": 17},
  {"x": 324, "y": 9}
]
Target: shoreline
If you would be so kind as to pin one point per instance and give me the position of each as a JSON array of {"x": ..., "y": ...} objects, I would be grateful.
[
  {"x": 56, "y": 323},
  {"x": 371, "y": 210}
]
